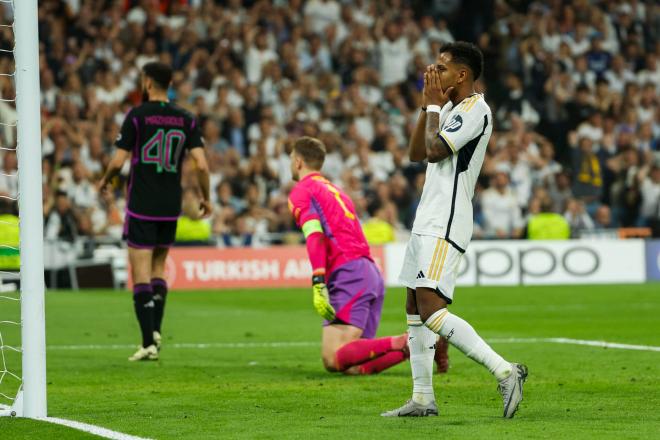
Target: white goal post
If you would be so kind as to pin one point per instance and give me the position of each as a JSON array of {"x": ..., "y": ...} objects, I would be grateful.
[{"x": 31, "y": 398}]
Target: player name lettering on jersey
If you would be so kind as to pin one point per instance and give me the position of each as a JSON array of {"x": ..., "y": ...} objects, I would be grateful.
[{"x": 173, "y": 121}]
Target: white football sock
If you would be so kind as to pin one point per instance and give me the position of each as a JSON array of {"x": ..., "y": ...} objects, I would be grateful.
[
  {"x": 421, "y": 343},
  {"x": 461, "y": 335}
]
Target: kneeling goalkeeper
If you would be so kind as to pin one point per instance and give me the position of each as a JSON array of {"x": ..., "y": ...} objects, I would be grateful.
[{"x": 348, "y": 287}]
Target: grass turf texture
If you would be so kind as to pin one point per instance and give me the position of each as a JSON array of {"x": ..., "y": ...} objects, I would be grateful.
[{"x": 266, "y": 392}]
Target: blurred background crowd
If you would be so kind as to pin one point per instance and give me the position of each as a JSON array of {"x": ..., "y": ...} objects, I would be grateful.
[{"x": 573, "y": 85}]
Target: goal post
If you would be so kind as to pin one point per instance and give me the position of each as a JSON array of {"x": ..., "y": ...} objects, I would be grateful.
[{"x": 33, "y": 332}]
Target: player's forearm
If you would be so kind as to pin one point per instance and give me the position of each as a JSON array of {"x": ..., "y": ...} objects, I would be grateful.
[
  {"x": 203, "y": 177},
  {"x": 436, "y": 148},
  {"x": 315, "y": 244},
  {"x": 114, "y": 167},
  {"x": 417, "y": 147}
]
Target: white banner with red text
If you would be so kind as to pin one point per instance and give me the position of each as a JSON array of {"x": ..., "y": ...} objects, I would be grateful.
[{"x": 213, "y": 268}]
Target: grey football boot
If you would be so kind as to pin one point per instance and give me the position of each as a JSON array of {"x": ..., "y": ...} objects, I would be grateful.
[
  {"x": 511, "y": 389},
  {"x": 413, "y": 409}
]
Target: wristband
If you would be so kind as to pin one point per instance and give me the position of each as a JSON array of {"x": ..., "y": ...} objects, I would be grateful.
[
  {"x": 433, "y": 108},
  {"x": 318, "y": 279}
]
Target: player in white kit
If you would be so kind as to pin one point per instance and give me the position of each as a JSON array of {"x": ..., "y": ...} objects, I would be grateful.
[{"x": 452, "y": 133}]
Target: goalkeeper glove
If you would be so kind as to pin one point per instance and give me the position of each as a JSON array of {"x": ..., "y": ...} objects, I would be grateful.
[{"x": 322, "y": 298}]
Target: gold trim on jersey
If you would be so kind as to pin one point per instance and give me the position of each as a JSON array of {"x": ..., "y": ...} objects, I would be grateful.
[
  {"x": 449, "y": 142},
  {"x": 469, "y": 103}
]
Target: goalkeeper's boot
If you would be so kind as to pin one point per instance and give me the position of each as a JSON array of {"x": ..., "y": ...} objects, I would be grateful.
[
  {"x": 149, "y": 353},
  {"x": 413, "y": 409},
  {"x": 157, "y": 340},
  {"x": 441, "y": 357},
  {"x": 511, "y": 389}
]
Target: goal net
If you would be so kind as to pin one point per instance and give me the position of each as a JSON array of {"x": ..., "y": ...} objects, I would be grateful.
[{"x": 22, "y": 333}]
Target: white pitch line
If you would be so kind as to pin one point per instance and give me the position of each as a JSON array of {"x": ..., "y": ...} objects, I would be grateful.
[
  {"x": 93, "y": 429},
  {"x": 189, "y": 345},
  {"x": 569, "y": 341}
]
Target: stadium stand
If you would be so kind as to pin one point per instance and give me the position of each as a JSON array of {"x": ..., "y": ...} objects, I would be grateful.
[{"x": 573, "y": 87}]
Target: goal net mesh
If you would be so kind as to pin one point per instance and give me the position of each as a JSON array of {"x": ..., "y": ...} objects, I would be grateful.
[{"x": 10, "y": 301}]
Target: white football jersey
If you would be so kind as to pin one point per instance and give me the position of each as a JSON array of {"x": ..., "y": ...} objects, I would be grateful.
[{"x": 445, "y": 209}]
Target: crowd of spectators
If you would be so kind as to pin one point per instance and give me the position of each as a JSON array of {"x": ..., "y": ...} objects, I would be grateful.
[{"x": 574, "y": 89}]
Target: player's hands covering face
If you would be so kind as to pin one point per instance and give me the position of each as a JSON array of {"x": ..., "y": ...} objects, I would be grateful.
[{"x": 433, "y": 94}]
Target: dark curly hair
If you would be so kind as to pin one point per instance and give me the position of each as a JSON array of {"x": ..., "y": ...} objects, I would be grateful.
[{"x": 465, "y": 53}]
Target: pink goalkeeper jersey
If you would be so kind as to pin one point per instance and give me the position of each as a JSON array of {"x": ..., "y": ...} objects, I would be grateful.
[{"x": 315, "y": 198}]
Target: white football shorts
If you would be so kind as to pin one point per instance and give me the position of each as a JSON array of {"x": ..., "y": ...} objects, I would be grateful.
[{"x": 431, "y": 262}]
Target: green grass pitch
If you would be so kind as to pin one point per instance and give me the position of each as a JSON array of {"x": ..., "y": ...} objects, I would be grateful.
[{"x": 255, "y": 390}]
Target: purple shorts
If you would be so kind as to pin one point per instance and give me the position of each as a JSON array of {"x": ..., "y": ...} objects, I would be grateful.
[{"x": 357, "y": 292}]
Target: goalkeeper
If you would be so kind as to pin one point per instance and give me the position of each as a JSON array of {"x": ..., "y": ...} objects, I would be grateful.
[{"x": 348, "y": 289}]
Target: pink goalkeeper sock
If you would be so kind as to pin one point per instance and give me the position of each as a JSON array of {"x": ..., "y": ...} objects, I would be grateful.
[
  {"x": 361, "y": 350},
  {"x": 382, "y": 363}
]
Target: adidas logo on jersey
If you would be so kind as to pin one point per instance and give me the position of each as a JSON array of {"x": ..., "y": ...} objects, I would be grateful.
[{"x": 421, "y": 275}]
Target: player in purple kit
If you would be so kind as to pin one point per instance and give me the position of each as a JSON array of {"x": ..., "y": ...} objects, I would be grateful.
[{"x": 348, "y": 287}]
